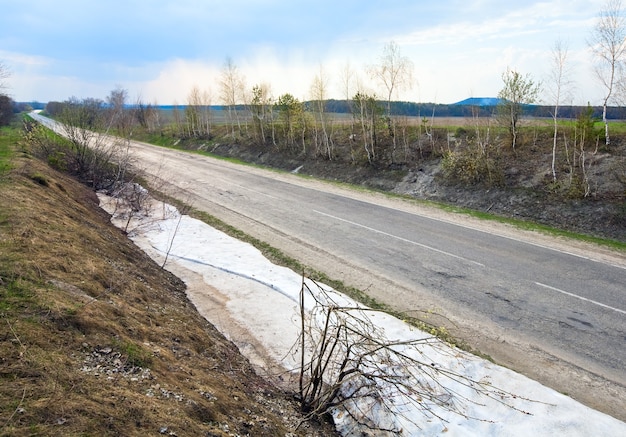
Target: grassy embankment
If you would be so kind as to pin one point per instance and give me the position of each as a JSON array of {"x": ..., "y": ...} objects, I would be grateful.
[{"x": 95, "y": 338}]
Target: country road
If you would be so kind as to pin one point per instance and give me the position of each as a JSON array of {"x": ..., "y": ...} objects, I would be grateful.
[{"x": 551, "y": 309}]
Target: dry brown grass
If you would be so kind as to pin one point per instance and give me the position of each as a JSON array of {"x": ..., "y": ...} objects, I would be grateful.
[{"x": 96, "y": 339}]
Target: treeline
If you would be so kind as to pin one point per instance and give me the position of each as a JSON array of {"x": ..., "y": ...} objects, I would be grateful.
[
  {"x": 6, "y": 109},
  {"x": 28, "y": 106},
  {"x": 398, "y": 108},
  {"x": 413, "y": 109}
]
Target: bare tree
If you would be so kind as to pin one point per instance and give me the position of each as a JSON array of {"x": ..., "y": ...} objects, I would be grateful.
[
  {"x": 394, "y": 72},
  {"x": 608, "y": 44},
  {"x": 115, "y": 151},
  {"x": 192, "y": 112},
  {"x": 198, "y": 113},
  {"x": 178, "y": 120},
  {"x": 347, "y": 77},
  {"x": 155, "y": 116},
  {"x": 132, "y": 199},
  {"x": 231, "y": 90},
  {"x": 205, "y": 113},
  {"x": 4, "y": 75},
  {"x": 146, "y": 114},
  {"x": 134, "y": 206},
  {"x": 319, "y": 91},
  {"x": 560, "y": 87},
  {"x": 142, "y": 112},
  {"x": 518, "y": 90},
  {"x": 120, "y": 116}
]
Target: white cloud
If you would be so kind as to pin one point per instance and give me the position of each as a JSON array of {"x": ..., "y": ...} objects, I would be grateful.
[
  {"x": 21, "y": 60},
  {"x": 175, "y": 78}
]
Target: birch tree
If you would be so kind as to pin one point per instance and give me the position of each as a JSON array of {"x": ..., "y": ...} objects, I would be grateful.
[
  {"x": 608, "y": 44},
  {"x": 205, "y": 113},
  {"x": 394, "y": 72},
  {"x": 347, "y": 77},
  {"x": 178, "y": 120},
  {"x": 319, "y": 91},
  {"x": 192, "y": 112},
  {"x": 560, "y": 88},
  {"x": 231, "y": 88},
  {"x": 197, "y": 113},
  {"x": 261, "y": 110}
]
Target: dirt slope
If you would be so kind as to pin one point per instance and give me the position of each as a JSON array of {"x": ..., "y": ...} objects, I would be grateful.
[{"x": 527, "y": 192}]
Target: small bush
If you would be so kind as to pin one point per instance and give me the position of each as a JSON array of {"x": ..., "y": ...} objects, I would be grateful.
[{"x": 472, "y": 168}]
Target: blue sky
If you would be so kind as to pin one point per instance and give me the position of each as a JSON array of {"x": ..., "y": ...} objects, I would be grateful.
[{"x": 159, "y": 49}]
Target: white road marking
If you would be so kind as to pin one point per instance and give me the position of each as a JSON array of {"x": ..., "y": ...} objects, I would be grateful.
[
  {"x": 258, "y": 192},
  {"x": 400, "y": 238},
  {"x": 580, "y": 297}
]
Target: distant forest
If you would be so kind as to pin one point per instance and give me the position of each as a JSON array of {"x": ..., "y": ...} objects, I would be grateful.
[{"x": 427, "y": 110}]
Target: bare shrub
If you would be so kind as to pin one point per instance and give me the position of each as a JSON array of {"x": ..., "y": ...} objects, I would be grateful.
[{"x": 347, "y": 363}]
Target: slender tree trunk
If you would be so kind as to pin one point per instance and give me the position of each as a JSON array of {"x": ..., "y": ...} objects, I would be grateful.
[
  {"x": 606, "y": 122},
  {"x": 171, "y": 242}
]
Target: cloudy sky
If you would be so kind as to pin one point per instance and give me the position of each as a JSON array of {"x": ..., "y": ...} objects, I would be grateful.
[{"x": 159, "y": 49}]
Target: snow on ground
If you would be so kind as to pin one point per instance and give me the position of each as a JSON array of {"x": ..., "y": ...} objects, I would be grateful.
[{"x": 263, "y": 299}]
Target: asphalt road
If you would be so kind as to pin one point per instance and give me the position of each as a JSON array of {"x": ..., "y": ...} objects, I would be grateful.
[{"x": 566, "y": 303}]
